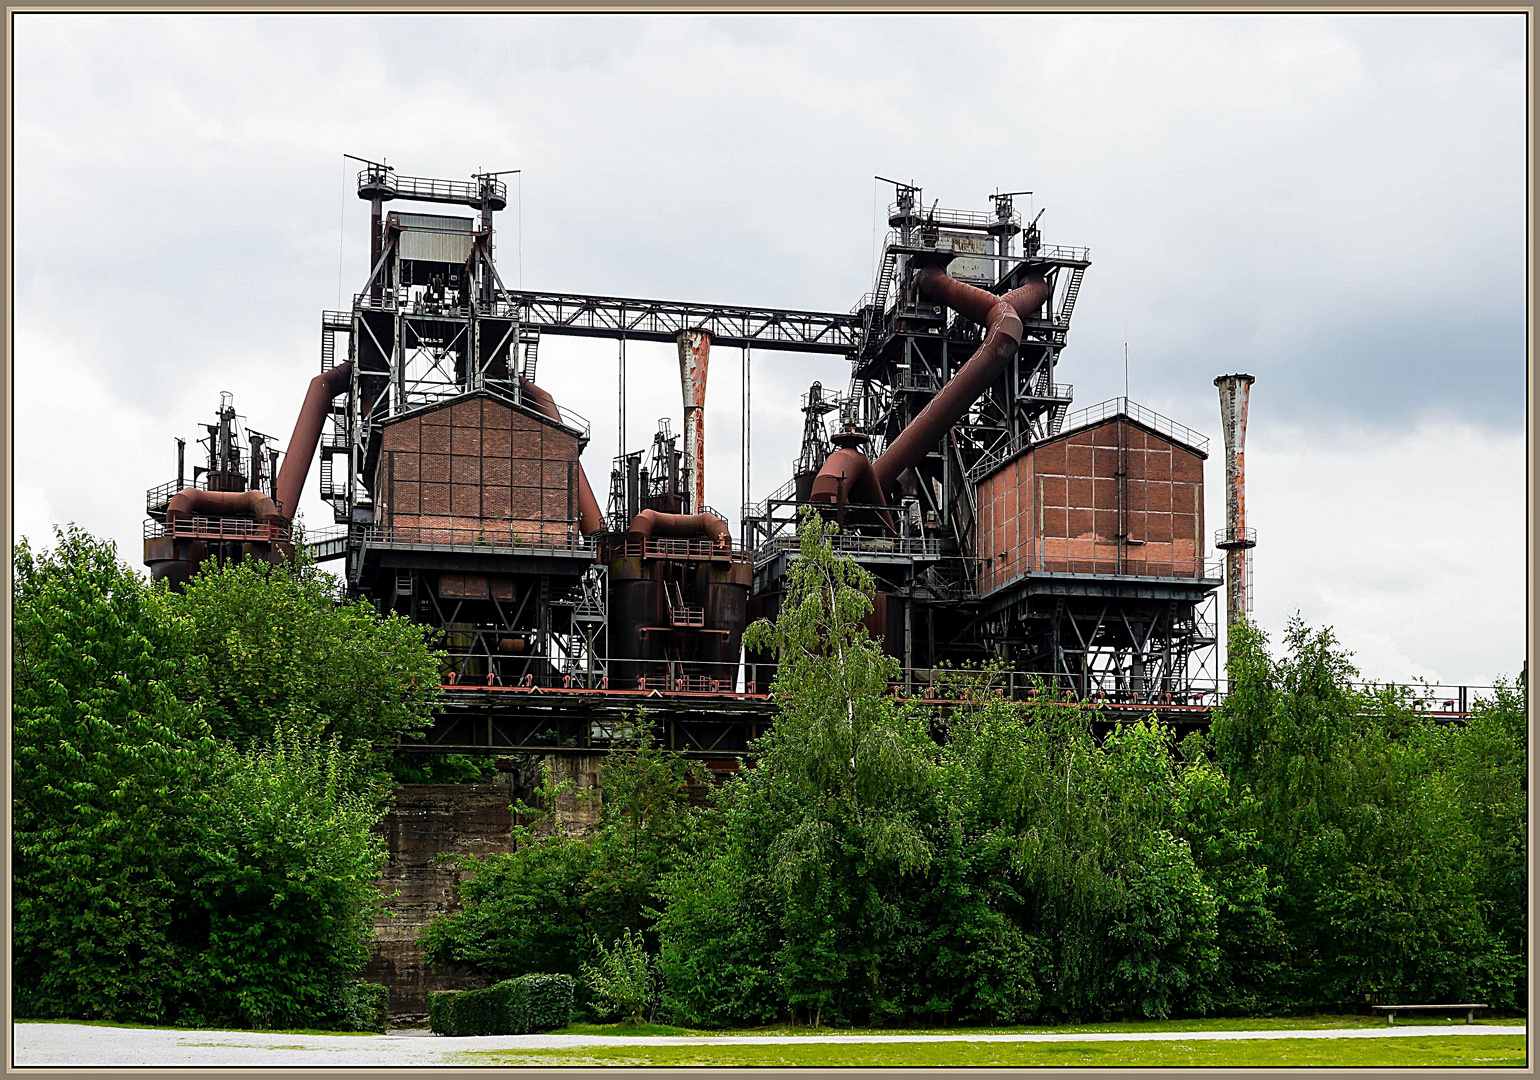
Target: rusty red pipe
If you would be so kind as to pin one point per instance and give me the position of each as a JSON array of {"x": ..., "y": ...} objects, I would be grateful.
[
  {"x": 192, "y": 502},
  {"x": 590, "y": 517},
  {"x": 848, "y": 475},
  {"x": 652, "y": 523},
  {"x": 307, "y": 435},
  {"x": 1002, "y": 318}
]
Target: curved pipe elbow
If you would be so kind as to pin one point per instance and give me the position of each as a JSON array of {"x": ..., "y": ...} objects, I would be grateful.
[
  {"x": 652, "y": 523},
  {"x": 307, "y": 435},
  {"x": 847, "y": 476},
  {"x": 194, "y": 502},
  {"x": 1002, "y": 317}
]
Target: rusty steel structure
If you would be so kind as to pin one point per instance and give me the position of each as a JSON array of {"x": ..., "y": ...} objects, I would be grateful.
[
  {"x": 229, "y": 510},
  {"x": 1064, "y": 549}
]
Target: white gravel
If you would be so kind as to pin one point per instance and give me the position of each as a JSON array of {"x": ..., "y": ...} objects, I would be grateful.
[{"x": 88, "y": 1046}]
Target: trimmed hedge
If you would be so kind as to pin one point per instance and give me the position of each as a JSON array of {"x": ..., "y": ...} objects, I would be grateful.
[{"x": 519, "y": 1006}]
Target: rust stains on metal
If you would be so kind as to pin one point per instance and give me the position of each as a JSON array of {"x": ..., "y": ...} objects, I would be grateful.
[
  {"x": 694, "y": 354},
  {"x": 1236, "y": 540},
  {"x": 652, "y": 523}
]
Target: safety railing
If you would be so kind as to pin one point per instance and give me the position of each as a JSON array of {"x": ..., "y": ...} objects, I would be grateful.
[
  {"x": 429, "y": 190},
  {"x": 628, "y": 546},
  {"x": 219, "y": 528},
  {"x": 1061, "y": 253},
  {"x": 1129, "y": 566},
  {"x": 156, "y": 498},
  {"x": 469, "y": 671},
  {"x": 1134, "y": 411},
  {"x": 852, "y": 543},
  {"x": 965, "y": 219},
  {"x": 1235, "y": 538},
  {"x": 532, "y": 536}
]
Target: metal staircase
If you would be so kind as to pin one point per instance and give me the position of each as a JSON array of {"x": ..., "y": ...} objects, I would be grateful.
[
  {"x": 530, "y": 339},
  {"x": 1067, "y": 306},
  {"x": 680, "y": 614}
]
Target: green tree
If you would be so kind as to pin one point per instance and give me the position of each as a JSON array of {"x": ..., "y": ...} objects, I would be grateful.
[
  {"x": 284, "y": 883},
  {"x": 159, "y": 874},
  {"x": 267, "y": 645},
  {"x": 108, "y": 777},
  {"x": 842, "y": 789}
]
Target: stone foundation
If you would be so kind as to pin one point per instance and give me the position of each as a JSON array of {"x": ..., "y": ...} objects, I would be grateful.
[
  {"x": 460, "y": 819},
  {"x": 430, "y": 820}
]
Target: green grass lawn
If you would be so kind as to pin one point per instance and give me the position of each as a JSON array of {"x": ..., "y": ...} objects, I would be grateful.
[
  {"x": 1448, "y": 1051},
  {"x": 1317, "y": 1022}
]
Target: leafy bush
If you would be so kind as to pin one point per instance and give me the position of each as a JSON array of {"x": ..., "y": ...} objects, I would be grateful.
[
  {"x": 363, "y": 1006},
  {"x": 624, "y": 979},
  {"x": 284, "y": 884}
]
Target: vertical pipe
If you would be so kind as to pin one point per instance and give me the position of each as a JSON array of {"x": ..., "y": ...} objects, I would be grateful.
[
  {"x": 694, "y": 354},
  {"x": 621, "y": 449},
  {"x": 1234, "y": 399},
  {"x": 376, "y": 240},
  {"x": 748, "y": 352},
  {"x": 181, "y": 464}
]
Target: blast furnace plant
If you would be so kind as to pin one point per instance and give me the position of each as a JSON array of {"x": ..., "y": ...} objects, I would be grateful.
[{"x": 1001, "y": 526}]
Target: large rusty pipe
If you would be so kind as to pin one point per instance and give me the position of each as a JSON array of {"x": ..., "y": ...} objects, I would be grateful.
[
  {"x": 590, "y": 517},
  {"x": 847, "y": 476},
  {"x": 1002, "y": 317},
  {"x": 194, "y": 502},
  {"x": 307, "y": 435},
  {"x": 694, "y": 355},
  {"x": 652, "y": 523}
]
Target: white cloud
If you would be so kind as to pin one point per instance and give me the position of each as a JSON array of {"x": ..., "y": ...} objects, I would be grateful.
[{"x": 1334, "y": 203}]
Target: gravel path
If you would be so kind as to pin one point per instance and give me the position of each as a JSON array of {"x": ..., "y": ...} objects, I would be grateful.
[{"x": 83, "y": 1045}]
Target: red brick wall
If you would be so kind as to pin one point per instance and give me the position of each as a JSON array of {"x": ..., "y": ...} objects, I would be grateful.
[
  {"x": 1054, "y": 509},
  {"x": 478, "y": 469}
]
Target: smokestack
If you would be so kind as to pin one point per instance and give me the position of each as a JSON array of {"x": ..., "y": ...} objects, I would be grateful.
[
  {"x": 694, "y": 352},
  {"x": 1236, "y": 540}
]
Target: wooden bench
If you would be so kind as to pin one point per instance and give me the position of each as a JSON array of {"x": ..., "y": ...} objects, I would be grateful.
[{"x": 1391, "y": 1010}]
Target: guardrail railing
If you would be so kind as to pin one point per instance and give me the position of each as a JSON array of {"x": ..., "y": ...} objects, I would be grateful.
[
  {"x": 219, "y": 528},
  {"x": 1149, "y": 417},
  {"x": 534, "y": 535}
]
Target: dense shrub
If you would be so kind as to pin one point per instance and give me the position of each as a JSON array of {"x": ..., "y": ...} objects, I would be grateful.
[
  {"x": 362, "y": 1006},
  {"x": 530, "y": 1003}
]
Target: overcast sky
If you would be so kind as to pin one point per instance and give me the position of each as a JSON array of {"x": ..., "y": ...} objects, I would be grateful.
[{"x": 1334, "y": 204}]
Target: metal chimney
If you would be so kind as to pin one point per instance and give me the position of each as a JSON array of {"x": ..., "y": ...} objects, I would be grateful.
[
  {"x": 1235, "y": 539},
  {"x": 694, "y": 352}
]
